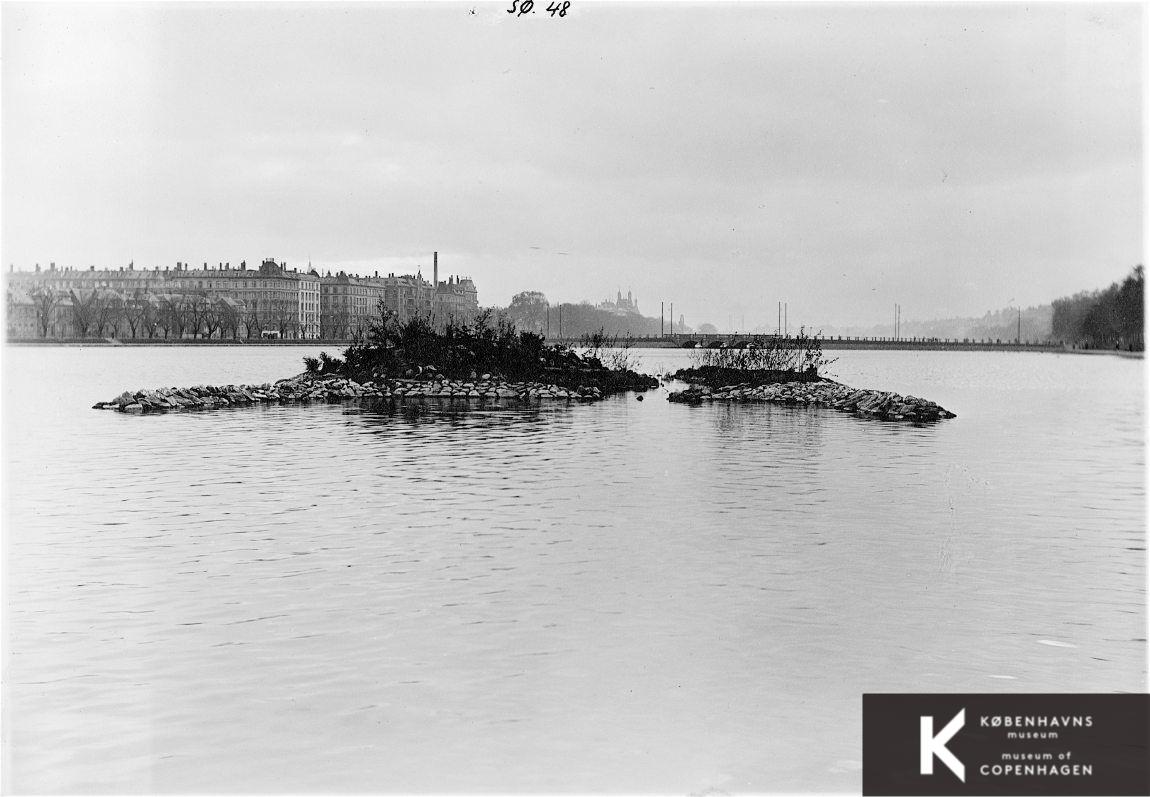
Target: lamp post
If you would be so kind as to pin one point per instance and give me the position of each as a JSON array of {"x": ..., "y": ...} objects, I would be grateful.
[{"x": 1018, "y": 339}]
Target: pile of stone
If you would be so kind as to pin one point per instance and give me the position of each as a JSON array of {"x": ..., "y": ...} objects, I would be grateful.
[
  {"x": 864, "y": 403},
  {"x": 306, "y": 388}
]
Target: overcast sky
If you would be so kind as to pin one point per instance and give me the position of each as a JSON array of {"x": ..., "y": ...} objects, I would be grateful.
[{"x": 720, "y": 156}]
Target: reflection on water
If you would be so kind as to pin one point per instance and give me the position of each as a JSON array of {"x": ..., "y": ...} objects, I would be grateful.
[{"x": 620, "y": 596}]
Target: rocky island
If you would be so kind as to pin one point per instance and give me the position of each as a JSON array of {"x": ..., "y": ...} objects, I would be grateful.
[
  {"x": 787, "y": 372},
  {"x": 487, "y": 359}
]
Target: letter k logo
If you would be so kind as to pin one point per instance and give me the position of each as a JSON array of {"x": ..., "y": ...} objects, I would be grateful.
[{"x": 931, "y": 745}]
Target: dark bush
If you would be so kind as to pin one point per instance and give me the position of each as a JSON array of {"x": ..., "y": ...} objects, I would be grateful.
[{"x": 489, "y": 344}]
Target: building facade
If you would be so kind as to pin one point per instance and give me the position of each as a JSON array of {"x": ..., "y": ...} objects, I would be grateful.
[
  {"x": 348, "y": 304},
  {"x": 273, "y": 301},
  {"x": 456, "y": 300},
  {"x": 623, "y": 305}
]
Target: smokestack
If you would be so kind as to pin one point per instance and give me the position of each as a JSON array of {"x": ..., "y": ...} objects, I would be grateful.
[{"x": 435, "y": 268}]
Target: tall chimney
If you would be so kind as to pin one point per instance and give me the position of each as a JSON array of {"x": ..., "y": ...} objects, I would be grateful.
[{"x": 435, "y": 269}]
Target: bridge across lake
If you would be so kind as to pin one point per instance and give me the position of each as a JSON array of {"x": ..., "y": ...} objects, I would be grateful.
[{"x": 832, "y": 342}]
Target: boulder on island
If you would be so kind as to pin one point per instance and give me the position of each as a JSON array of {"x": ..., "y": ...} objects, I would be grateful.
[{"x": 876, "y": 404}]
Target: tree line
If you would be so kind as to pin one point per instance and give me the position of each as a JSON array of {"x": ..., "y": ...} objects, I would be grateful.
[
  {"x": 1106, "y": 319},
  {"x": 101, "y": 312}
]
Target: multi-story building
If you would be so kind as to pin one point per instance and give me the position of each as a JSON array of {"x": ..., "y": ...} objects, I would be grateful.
[
  {"x": 125, "y": 281},
  {"x": 20, "y": 316},
  {"x": 37, "y": 312},
  {"x": 350, "y": 303},
  {"x": 274, "y": 301},
  {"x": 226, "y": 301},
  {"x": 456, "y": 300},
  {"x": 623, "y": 305},
  {"x": 408, "y": 296}
]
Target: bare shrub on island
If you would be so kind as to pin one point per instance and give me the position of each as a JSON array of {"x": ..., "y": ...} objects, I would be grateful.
[
  {"x": 606, "y": 349},
  {"x": 776, "y": 359}
]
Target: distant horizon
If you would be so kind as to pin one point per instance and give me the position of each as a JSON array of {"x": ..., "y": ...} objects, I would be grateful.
[{"x": 396, "y": 266}]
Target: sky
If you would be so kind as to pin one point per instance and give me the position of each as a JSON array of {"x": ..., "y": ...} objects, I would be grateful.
[{"x": 721, "y": 156}]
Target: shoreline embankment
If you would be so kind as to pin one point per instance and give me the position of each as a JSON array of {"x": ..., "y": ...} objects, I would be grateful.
[{"x": 642, "y": 343}]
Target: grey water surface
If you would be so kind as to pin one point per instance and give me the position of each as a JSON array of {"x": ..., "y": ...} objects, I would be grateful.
[{"x": 624, "y": 596}]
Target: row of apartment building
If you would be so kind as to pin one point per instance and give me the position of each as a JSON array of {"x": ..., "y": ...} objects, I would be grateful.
[{"x": 273, "y": 301}]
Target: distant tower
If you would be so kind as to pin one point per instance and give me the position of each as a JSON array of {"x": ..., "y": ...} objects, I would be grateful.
[{"x": 435, "y": 269}]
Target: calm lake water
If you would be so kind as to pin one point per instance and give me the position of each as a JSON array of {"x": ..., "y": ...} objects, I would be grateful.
[{"x": 614, "y": 597}]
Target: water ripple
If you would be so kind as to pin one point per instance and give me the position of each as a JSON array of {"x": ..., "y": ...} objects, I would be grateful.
[{"x": 447, "y": 597}]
